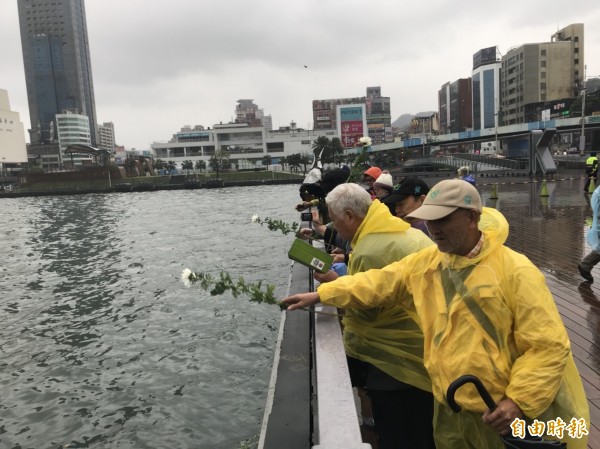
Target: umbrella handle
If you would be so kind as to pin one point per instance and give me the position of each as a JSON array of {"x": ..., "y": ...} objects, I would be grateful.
[{"x": 468, "y": 378}]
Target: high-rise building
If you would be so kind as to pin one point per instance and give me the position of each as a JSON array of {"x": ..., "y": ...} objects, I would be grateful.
[
  {"x": 57, "y": 64},
  {"x": 485, "y": 83},
  {"x": 455, "y": 103},
  {"x": 533, "y": 74},
  {"x": 106, "y": 137}
]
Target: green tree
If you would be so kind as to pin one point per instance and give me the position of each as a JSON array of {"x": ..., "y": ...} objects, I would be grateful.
[
  {"x": 337, "y": 151},
  {"x": 267, "y": 159},
  {"x": 159, "y": 164},
  {"x": 130, "y": 166},
  {"x": 282, "y": 162},
  {"x": 305, "y": 159},
  {"x": 171, "y": 166},
  {"x": 200, "y": 165},
  {"x": 219, "y": 161},
  {"x": 321, "y": 148},
  {"x": 293, "y": 161},
  {"x": 187, "y": 165}
]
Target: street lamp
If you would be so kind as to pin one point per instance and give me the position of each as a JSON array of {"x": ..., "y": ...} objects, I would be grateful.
[{"x": 582, "y": 137}]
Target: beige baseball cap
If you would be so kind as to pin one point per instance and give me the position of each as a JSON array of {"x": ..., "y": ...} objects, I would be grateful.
[{"x": 445, "y": 197}]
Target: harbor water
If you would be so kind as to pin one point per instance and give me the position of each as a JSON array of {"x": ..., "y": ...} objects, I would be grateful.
[{"x": 102, "y": 345}]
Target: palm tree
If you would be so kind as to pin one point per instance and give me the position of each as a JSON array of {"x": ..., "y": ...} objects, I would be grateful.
[
  {"x": 337, "y": 151},
  {"x": 187, "y": 165},
  {"x": 219, "y": 160},
  {"x": 171, "y": 166},
  {"x": 283, "y": 161},
  {"x": 200, "y": 165},
  {"x": 320, "y": 148}
]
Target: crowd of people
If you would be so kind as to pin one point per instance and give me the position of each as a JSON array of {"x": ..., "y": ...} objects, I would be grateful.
[{"x": 430, "y": 292}]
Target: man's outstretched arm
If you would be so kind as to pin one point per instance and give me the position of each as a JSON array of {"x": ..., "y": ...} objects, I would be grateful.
[{"x": 301, "y": 300}]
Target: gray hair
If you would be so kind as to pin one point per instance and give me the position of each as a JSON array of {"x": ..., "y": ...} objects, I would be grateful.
[
  {"x": 349, "y": 196},
  {"x": 463, "y": 171}
]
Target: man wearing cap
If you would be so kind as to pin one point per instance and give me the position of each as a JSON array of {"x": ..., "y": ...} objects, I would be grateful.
[
  {"x": 484, "y": 310},
  {"x": 406, "y": 197},
  {"x": 369, "y": 177}
]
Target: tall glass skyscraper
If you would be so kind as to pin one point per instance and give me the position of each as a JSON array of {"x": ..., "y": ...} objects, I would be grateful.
[{"x": 57, "y": 63}]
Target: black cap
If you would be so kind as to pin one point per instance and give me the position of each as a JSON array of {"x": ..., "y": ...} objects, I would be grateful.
[{"x": 407, "y": 187}]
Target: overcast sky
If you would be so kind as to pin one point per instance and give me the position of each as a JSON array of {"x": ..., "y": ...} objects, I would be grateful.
[{"x": 159, "y": 65}]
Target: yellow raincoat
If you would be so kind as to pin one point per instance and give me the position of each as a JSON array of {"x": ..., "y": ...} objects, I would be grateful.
[
  {"x": 386, "y": 337},
  {"x": 491, "y": 316}
]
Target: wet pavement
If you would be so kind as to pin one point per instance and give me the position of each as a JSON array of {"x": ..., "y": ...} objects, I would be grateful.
[{"x": 551, "y": 231}]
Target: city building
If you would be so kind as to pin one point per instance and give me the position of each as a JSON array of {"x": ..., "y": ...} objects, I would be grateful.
[
  {"x": 12, "y": 135},
  {"x": 106, "y": 137},
  {"x": 248, "y": 112},
  {"x": 58, "y": 70},
  {"x": 73, "y": 129},
  {"x": 246, "y": 146},
  {"x": 378, "y": 114},
  {"x": 533, "y": 74},
  {"x": 455, "y": 106},
  {"x": 379, "y": 119},
  {"x": 485, "y": 84}
]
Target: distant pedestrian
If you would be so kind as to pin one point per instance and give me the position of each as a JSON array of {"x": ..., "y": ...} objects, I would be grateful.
[
  {"x": 591, "y": 170},
  {"x": 464, "y": 173},
  {"x": 593, "y": 257}
]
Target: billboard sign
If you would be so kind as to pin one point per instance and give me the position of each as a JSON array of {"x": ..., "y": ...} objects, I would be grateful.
[{"x": 351, "y": 124}]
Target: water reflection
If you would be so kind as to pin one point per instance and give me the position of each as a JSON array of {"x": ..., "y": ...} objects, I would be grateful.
[{"x": 101, "y": 344}]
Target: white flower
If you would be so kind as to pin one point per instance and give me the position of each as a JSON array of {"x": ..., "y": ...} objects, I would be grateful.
[
  {"x": 255, "y": 218},
  {"x": 365, "y": 141},
  {"x": 185, "y": 277}
]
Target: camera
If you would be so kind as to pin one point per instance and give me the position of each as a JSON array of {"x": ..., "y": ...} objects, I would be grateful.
[{"x": 306, "y": 216}]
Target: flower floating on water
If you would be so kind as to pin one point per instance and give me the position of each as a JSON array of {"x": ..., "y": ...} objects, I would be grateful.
[
  {"x": 276, "y": 224},
  {"x": 187, "y": 277},
  {"x": 222, "y": 283}
]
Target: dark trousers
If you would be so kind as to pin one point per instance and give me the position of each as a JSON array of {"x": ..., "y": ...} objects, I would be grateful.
[
  {"x": 403, "y": 418},
  {"x": 403, "y": 414},
  {"x": 590, "y": 174}
]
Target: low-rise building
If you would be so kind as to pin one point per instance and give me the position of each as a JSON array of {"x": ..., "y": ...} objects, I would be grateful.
[
  {"x": 246, "y": 146},
  {"x": 12, "y": 135}
]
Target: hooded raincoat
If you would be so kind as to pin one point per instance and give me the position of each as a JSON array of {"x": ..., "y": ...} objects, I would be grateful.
[
  {"x": 491, "y": 316},
  {"x": 387, "y": 337},
  {"x": 593, "y": 235}
]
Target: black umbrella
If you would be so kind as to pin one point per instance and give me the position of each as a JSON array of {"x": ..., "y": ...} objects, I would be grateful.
[{"x": 510, "y": 442}]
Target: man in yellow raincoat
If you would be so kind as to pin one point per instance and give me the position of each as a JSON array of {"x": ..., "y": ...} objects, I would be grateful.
[
  {"x": 384, "y": 345},
  {"x": 484, "y": 310}
]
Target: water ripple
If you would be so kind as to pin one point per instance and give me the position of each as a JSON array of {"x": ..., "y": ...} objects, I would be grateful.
[{"x": 103, "y": 347}]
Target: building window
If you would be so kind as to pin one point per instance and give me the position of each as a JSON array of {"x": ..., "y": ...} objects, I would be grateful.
[{"x": 543, "y": 53}]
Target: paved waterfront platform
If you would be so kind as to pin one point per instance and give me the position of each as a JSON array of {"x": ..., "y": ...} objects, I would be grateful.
[{"x": 551, "y": 231}]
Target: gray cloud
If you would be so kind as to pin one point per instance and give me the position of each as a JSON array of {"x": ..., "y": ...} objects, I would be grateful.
[{"x": 160, "y": 65}]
